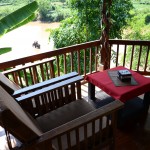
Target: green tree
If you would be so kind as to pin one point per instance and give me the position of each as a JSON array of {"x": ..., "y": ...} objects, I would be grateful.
[
  {"x": 120, "y": 15},
  {"x": 138, "y": 29},
  {"x": 85, "y": 22},
  {"x": 44, "y": 7}
]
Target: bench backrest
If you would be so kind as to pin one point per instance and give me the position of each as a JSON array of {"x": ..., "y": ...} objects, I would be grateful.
[
  {"x": 51, "y": 97},
  {"x": 46, "y": 96}
]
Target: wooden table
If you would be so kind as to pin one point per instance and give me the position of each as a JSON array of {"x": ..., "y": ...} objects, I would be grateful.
[{"x": 122, "y": 93}]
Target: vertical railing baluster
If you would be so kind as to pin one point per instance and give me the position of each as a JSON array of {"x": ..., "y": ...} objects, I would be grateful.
[
  {"x": 42, "y": 72},
  {"x": 84, "y": 62},
  {"x": 72, "y": 64},
  {"x": 52, "y": 72},
  {"x": 85, "y": 137},
  {"x": 15, "y": 77},
  {"x": 77, "y": 138},
  {"x": 59, "y": 142},
  {"x": 68, "y": 141},
  {"x": 79, "y": 67},
  {"x": 65, "y": 66},
  {"x": 47, "y": 75},
  {"x": 73, "y": 92},
  {"x": 31, "y": 75},
  {"x": 57, "y": 64},
  {"x": 146, "y": 61},
  {"x": 100, "y": 130},
  {"x": 78, "y": 84},
  {"x": 34, "y": 74},
  {"x": 96, "y": 58},
  {"x": 124, "y": 58},
  {"x": 132, "y": 54},
  {"x": 117, "y": 55},
  {"x": 93, "y": 132},
  {"x": 110, "y": 55},
  {"x": 54, "y": 99},
  {"x": 20, "y": 79},
  {"x": 25, "y": 77},
  {"x": 90, "y": 66},
  {"x": 139, "y": 59}
]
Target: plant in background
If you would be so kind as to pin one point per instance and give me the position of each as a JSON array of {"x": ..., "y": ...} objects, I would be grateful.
[
  {"x": 138, "y": 29},
  {"x": 17, "y": 18},
  {"x": 85, "y": 23},
  {"x": 45, "y": 7},
  {"x": 147, "y": 19}
]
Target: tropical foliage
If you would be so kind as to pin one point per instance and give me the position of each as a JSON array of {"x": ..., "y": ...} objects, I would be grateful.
[
  {"x": 53, "y": 11},
  {"x": 138, "y": 29},
  {"x": 17, "y": 19},
  {"x": 85, "y": 23},
  {"x": 49, "y": 10}
]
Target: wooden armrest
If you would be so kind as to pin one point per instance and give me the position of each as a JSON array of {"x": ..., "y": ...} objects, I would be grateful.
[
  {"x": 102, "y": 111},
  {"x": 109, "y": 109},
  {"x": 49, "y": 88},
  {"x": 44, "y": 84}
]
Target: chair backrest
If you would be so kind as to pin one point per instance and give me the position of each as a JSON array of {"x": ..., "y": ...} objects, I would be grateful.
[
  {"x": 15, "y": 120},
  {"x": 8, "y": 85}
]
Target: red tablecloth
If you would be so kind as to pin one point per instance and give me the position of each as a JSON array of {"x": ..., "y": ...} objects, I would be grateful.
[{"x": 123, "y": 93}]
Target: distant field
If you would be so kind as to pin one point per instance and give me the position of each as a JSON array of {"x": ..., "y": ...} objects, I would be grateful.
[
  {"x": 142, "y": 7},
  {"x": 7, "y": 9}
]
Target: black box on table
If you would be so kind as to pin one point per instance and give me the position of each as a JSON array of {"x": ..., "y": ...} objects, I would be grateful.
[{"x": 124, "y": 75}]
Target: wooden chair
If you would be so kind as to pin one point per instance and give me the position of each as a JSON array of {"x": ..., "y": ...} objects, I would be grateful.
[{"x": 56, "y": 117}]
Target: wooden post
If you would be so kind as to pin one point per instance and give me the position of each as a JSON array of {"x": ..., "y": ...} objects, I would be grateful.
[{"x": 105, "y": 49}]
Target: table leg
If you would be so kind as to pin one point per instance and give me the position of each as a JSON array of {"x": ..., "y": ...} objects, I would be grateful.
[
  {"x": 91, "y": 91},
  {"x": 146, "y": 101}
]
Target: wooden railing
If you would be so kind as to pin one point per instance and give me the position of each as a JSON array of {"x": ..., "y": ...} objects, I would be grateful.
[
  {"x": 134, "y": 55},
  {"x": 81, "y": 58},
  {"x": 37, "y": 68}
]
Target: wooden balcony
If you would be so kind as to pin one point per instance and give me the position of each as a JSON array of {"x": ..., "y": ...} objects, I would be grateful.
[{"x": 84, "y": 58}]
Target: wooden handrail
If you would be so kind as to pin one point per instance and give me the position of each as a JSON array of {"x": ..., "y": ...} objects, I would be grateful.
[
  {"x": 75, "y": 58},
  {"x": 24, "y": 60},
  {"x": 129, "y": 42}
]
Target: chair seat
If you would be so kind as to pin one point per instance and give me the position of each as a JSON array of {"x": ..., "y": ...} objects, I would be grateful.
[{"x": 64, "y": 114}]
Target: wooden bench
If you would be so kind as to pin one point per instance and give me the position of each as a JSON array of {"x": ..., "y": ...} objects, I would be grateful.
[{"x": 64, "y": 119}]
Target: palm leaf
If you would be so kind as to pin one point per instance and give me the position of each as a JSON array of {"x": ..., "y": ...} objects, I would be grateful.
[
  {"x": 5, "y": 50},
  {"x": 18, "y": 18},
  {"x": 30, "y": 18}
]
